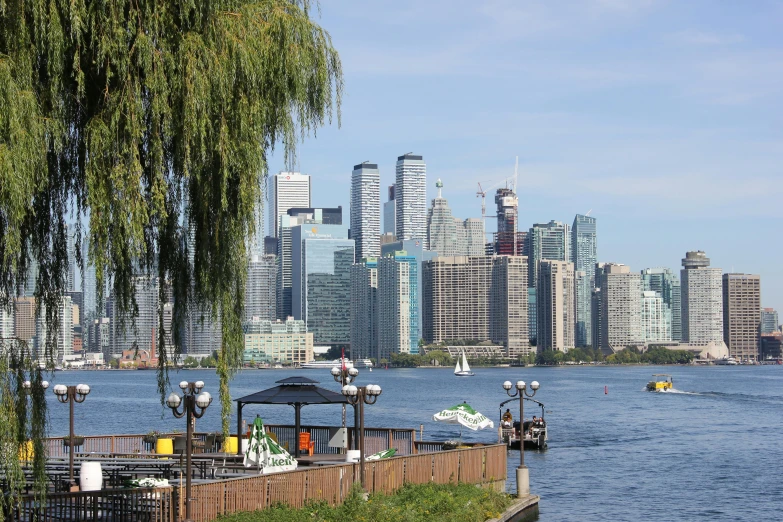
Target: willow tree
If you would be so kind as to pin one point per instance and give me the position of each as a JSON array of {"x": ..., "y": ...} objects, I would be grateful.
[{"x": 147, "y": 121}]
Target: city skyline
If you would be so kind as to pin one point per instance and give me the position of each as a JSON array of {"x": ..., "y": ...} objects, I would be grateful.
[{"x": 685, "y": 107}]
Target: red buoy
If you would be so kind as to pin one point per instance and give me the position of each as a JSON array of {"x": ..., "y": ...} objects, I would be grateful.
[{"x": 606, "y": 390}]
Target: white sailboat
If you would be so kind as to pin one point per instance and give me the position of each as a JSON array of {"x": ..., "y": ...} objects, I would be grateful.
[{"x": 464, "y": 370}]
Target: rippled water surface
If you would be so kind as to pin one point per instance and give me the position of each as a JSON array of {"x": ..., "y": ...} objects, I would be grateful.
[{"x": 713, "y": 450}]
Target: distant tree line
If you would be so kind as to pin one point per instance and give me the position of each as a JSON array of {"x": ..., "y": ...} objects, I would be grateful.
[{"x": 654, "y": 355}]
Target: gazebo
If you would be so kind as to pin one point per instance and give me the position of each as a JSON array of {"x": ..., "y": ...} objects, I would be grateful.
[{"x": 294, "y": 391}]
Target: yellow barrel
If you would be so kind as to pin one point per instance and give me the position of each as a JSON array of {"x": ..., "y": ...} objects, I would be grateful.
[
  {"x": 164, "y": 446},
  {"x": 26, "y": 451},
  {"x": 231, "y": 445}
]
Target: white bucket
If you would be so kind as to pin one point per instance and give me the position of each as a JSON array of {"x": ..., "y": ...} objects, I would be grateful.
[
  {"x": 91, "y": 476},
  {"x": 353, "y": 456}
]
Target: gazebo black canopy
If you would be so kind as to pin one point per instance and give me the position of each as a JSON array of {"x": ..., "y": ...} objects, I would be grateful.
[{"x": 294, "y": 391}]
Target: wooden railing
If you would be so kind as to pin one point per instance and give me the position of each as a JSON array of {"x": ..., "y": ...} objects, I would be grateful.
[
  {"x": 375, "y": 439},
  {"x": 152, "y": 505},
  {"x": 332, "y": 484}
]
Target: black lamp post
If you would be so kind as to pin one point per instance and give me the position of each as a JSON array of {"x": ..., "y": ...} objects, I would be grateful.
[
  {"x": 358, "y": 397},
  {"x": 194, "y": 404},
  {"x": 71, "y": 395},
  {"x": 346, "y": 376},
  {"x": 523, "y": 476}
]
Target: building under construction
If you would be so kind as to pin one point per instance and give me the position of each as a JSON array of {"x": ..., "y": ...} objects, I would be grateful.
[{"x": 507, "y": 241}]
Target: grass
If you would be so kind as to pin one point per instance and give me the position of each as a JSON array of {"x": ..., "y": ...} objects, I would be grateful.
[{"x": 412, "y": 503}]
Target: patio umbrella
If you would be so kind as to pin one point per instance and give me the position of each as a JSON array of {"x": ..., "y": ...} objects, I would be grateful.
[
  {"x": 385, "y": 454},
  {"x": 265, "y": 453},
  {"x": 464, "y": 415}
]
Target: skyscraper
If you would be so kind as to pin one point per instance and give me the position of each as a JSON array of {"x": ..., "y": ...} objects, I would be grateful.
[
  {"x": 24, "y": 319},
  {"x": 584, "y": 255},
  {"x": 62, "y": 345},
  {"x": 89, "y": 288},
  {"x": 261, "y": 288},
  {"x": 742, "y": 315},
  {"x": 769, "y": 321},
  {"x": 702, "y": 300},
  {"x": 508, "y": 242},
  {"x": 366, "y": 209},
  {"x": 621, "y": 301},
  {"x": 664, "y": 282},
  {"x": 321, "y": 260},
  {"x": 655, "y": 318},
  {"x": 410, "y": 191},
  {"x": 413, "y": 248},
  {"x": 286, "y": 190},
  {"x": 7, "y": 323},
  {"x": 390, "y": 214},
  {"x": 137, "y": 334},
  {"x": 477, "y": 298},
  {"x": 256, "y": 247},
  {"x": 555, "y": 306},
  {"x": 544, "y": 241},
  {"x": 394, "y": 305},
  {"x": 364, "y": 310},
  {"x": 450, "y": 236},
  {"x": 73, "y": 266}
]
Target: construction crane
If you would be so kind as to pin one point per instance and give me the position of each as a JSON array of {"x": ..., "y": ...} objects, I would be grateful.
[{"x": 482, "y": 193}]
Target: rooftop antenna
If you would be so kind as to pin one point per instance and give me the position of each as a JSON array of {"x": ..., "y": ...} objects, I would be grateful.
[
  {"x": 516, "y": 173},
  {"x": 588, "y": 212}
]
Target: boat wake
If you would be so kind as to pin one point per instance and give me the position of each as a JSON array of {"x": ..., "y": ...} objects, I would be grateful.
[{"x": 675, "y": 391}]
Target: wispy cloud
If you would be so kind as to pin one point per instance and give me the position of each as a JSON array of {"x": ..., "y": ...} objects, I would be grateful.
[{"x": 708, "y": 38}]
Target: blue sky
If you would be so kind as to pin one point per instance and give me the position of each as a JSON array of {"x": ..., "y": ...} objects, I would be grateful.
[{"x": 663, "y": 117}]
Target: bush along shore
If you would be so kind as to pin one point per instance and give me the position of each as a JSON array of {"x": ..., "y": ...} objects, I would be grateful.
[{"x": 412, "y": 503}]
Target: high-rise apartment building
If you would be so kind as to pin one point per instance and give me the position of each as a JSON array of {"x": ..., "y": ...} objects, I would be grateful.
[
  {"x": 450, "y": 236},
  {"x": 366, "y": 209},
  {"x": 477, "y": 298},
  {"x": 364, "y": 310},
  {"x": 584, "y": 255},
  {"x": 24, "y": 319},
  {"x": 286, "y": 190},
  {"x": 203, "y": 334},
  {"x": 394, "y": 305},
  {"x": 71, "y": 284},
  {"x": 413, "y": 248},
  {"x": 664, "y": 282},
  {"x": 277, "y": 342},
  {"x": 621, "y": 301},
  {"x": 549, "y": 241},
  {"x": 256, "y": 246},
  {"x": 261, "y": 288},
  {"x": 410, "y": 196},
  {"x": 702, "y": 300},
  {"x": 61, "y": 346},
  {"x": 390, "y": 214},
  {"x": 321, "y": 260},
  {"x": 7, "y": 322},
  {"x": 742, "y": 315},
  {"x": 129, "y": 334},
  {"x": 769, "y": 321},
  {"x": 555, "y": 306},
  {"x": 655, "y": 318},
  {"x": 89, "y": 288}
]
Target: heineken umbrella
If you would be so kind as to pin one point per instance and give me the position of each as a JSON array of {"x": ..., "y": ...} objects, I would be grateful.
[
  {"x": 265, "y": 453},
  {"x": 385, "y": 454},
  {"x": 464, "y": 415}
]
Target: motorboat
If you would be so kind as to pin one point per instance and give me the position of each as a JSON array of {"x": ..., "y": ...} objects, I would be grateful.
[
  {"x": 464, "y": 369},
  {"x": 662, "y": 383},
  {"x": 535, "y": 433},
  {"x": 726, "y": 361}
]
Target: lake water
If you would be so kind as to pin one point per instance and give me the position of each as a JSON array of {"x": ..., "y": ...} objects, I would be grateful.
[{"x": 711, "y": 451}]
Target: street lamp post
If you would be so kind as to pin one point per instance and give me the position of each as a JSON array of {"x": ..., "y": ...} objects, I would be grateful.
[
  {"x": 71, "y": 395},
  {"x": 346, "y": 376},
  {"x": 358, "y": 397},
  {"x": 523, "y": 476},
  {"x": 194, "y": 404}
]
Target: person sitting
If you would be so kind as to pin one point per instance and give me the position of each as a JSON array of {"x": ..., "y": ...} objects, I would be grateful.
[{"x": 508, "y": 419}]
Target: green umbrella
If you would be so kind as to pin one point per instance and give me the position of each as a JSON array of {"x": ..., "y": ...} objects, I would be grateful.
[
  {"x": 464, "y": 415},
  {"x": 264, "y": 452},
  {"x": 385, "y": 454}
]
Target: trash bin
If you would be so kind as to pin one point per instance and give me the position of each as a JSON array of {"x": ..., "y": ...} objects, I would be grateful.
[
  {"x": 164, "y": 446},
  {"x": 91, "y": 476},
  {"x": 231, "y": 445}
]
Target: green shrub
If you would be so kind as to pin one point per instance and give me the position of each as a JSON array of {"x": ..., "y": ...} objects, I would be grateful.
[{"x": 412, "y": 503}]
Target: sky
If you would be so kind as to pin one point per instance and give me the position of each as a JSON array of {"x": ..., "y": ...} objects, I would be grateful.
[{"x": 664, "y": 118}]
